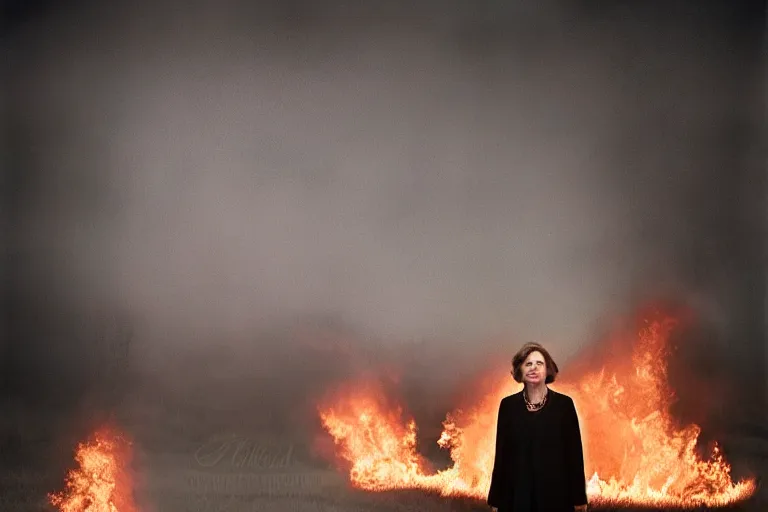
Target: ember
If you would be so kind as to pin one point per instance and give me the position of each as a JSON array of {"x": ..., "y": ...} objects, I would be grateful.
[
  {"x": 634, "y": 454},
  {"x": 100, "y": 483}
]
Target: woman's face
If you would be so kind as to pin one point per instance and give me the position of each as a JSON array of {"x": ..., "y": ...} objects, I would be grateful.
[{"x": 534, "y": 368}]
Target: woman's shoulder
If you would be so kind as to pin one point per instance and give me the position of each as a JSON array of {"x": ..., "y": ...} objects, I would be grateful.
[
  {"x": 514, "y": 397},
  {"x": 558, "y": 397},
  {"x": 558, "y": 394}
]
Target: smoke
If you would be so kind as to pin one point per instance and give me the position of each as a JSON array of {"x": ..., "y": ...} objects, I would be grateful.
[{"x": 241, "y": 187}]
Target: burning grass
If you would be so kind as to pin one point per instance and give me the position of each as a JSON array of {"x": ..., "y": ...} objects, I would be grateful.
[
  {"x": 101, "y": 482},
  {"x": 635, "y": 457}
]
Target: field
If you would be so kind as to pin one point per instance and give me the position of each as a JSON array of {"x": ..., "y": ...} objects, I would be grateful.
[
  {"x": 197, "y": 458},
  {"x": 293, "y": 493},
  {"x": 228, "y": 482}
]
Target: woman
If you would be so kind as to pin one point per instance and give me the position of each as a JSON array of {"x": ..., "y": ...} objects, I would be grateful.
[{"x": 539, "y": 461}]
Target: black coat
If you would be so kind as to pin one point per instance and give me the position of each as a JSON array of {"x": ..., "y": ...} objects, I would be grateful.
[{"x": 539, "y": 460}]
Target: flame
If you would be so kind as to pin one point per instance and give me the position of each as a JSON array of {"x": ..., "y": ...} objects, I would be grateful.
[
  {"x": 100, "y": 483},
  {"x": 633, "y": 452}
]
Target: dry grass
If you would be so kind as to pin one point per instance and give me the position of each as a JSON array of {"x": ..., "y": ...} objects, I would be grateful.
[
  {"x": 171, "y": 481},
  {"x": 25, "y": 492}
]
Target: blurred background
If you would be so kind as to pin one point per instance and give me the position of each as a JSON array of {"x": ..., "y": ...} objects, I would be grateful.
[{"x": 229, "y": 206}]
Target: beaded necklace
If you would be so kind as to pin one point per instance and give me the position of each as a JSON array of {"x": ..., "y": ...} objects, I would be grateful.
[{"x": 532, "y": 407}]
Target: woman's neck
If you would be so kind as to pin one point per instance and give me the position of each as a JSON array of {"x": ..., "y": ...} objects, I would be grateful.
[{"x": 536, "y": 392}]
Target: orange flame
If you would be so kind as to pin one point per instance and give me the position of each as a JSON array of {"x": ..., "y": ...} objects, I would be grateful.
[
  {"x": 633, "y": 453},
  {"x": 100, "y": 484}
]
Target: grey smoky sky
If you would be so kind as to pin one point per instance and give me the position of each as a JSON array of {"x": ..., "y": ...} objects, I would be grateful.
[{"x": 214, "y": 170}]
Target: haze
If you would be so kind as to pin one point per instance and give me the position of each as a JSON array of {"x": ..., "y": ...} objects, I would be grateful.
[{"x": 221, "y": 176}]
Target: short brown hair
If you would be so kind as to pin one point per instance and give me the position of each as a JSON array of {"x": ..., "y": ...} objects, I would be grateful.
[{"x": 522, "y": 355}]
